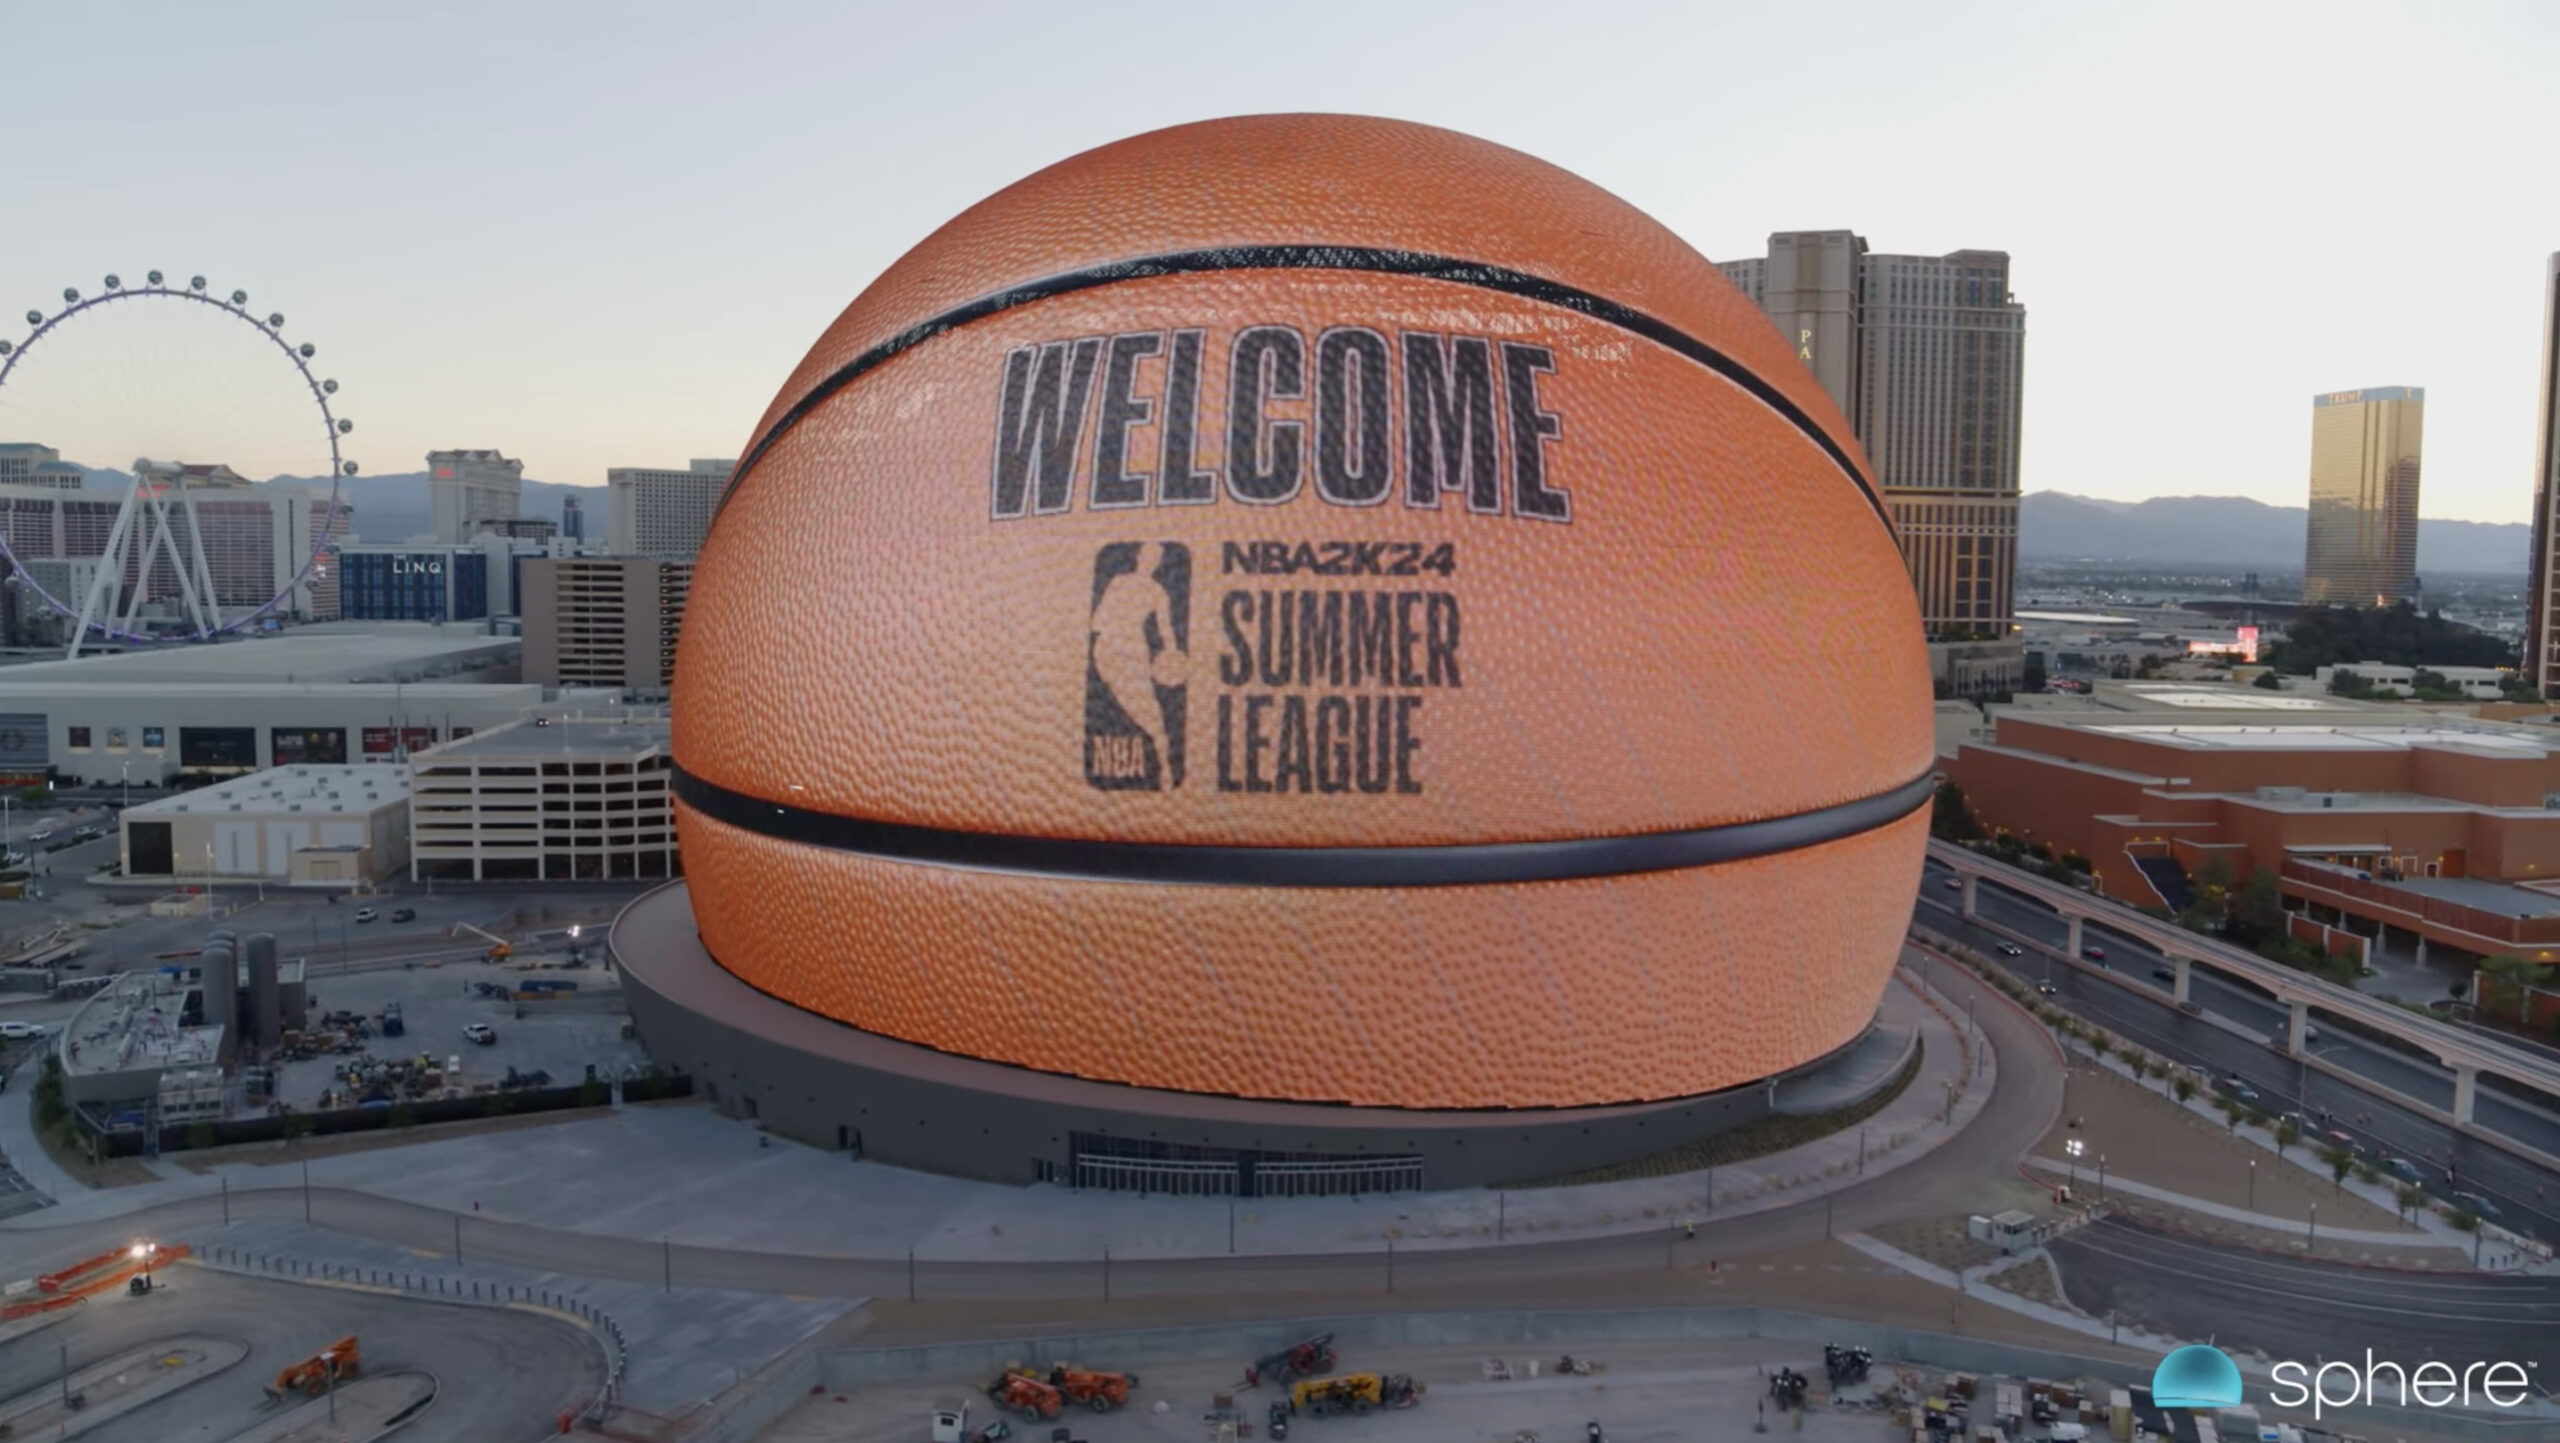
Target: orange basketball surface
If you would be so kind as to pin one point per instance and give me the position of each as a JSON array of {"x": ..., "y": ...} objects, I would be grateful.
[{"x": 1306, "y": 544}]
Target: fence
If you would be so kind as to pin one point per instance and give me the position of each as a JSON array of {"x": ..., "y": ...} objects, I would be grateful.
[
  {"x": 129, "y": 1141},
  {"x": 439, "y": 1287}
]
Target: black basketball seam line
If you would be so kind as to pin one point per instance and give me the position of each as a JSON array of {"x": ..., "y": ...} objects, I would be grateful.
[
  {"x": 1376, "y": 260},
  {"x": 1205, "y": 864}
]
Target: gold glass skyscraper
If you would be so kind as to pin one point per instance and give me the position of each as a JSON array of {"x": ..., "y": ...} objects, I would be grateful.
[{"x": 2362, "y": 548}]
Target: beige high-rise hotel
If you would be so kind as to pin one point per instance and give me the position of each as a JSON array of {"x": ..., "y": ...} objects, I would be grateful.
[{"x": 1925, "y": 355}]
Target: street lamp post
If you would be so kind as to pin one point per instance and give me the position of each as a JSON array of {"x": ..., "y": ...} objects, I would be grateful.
[
  {"x": 209, "y": 913},
  {"x": 2253, "y": 1184},
  {"x": 2314, "y": 1240},
  {"x": 2072, "y": 1148},
  {"x": 2102, "y": 1179}
]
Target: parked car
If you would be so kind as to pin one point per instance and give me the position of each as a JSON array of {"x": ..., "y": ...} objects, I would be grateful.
[
  {"x": 2011, "y": 949},
  {"x": 2479, "y": 1206},
  {"x": 2403, "y": 1169},
  {"x": 85, "y": 833},
  {"x": 2237, "y": 1090},
  {"x": 16, "y": 1031},
  {"x": 367, "y": 915},
  {"x": 405, "y": 914},
  {"x": 2334, "y": 1137},
  {"x": 481, "y": 1032}
]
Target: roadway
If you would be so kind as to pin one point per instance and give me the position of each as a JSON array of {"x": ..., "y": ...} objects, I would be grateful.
[
  {"x": 2130, "y": 1002},
  {"x": 2289, "y": 1308},
  {"x": 1970, "y": 1173}
]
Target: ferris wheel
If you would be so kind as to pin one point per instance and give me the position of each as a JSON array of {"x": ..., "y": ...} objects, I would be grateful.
[{"x": 186, "y": 556}]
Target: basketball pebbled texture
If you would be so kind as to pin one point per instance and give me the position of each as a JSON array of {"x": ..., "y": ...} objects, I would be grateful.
[{"x": 1669, "y": 608}]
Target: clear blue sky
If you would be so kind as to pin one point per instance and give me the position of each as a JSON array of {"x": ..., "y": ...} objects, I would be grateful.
[{"x": 600, "y": 234}]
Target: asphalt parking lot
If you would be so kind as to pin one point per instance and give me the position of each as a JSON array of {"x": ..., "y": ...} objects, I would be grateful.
[
  {"x": 561, "y": 1037},
  {"x": 505, "y": 1374}
]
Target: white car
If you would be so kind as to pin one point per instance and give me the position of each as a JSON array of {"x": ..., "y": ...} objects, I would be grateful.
[
  {"x": 2012, "y": 949},
  {"x": 481, "y": 1032},
  {"x": 367, "y": 915},
  {"x": 14, "y": 1031}
]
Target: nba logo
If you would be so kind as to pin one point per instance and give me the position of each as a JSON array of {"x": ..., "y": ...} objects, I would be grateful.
[{"x": 1137, "y": 666}]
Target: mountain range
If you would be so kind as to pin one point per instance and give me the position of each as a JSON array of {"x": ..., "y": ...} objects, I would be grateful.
[
  {"x": 395, "y": 508},
  {"x": 2234, "y": 531}
]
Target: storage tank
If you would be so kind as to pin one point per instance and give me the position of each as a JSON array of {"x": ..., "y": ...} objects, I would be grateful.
[
  {"x": 218, "y": 972},
  {"x": 266, "y": 1002}
]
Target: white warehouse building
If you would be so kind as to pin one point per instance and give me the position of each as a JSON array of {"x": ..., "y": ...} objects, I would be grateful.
[{"x": 308, "y": 825}]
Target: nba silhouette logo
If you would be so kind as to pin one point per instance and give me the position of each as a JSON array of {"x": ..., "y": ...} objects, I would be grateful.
[{"x": 1137, "y": 666}]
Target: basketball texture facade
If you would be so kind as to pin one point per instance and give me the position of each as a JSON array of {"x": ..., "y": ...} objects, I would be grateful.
[{"x": 1317, "y": 609}]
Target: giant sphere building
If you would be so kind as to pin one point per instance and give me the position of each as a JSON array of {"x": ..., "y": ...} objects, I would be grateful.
[{"x": 1295, "y": 642}]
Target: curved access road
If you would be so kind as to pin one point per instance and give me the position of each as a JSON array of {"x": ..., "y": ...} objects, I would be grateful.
[{"x": 1953, "y": 1179}]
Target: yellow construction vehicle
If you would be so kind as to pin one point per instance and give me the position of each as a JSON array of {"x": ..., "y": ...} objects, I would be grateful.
[{"x": 1350, "y": 1393}]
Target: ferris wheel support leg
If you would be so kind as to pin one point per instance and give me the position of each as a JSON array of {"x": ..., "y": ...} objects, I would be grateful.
[
  {"x": 110, "y": 572},
  {"x": 207, "y": 607}
]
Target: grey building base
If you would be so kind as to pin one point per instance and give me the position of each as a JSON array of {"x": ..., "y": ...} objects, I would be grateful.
[{"x": 829, "y": 1085}]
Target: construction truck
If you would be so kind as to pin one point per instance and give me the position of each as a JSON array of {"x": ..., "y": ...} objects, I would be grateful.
[
  {"x": 1095, "y": 1389},
  {"x": 392, "y": 1025},
  {"x": 1309, "y": 1358},
  {"x": 1033, "y": 1398},
  {"x": 318, "y": 1373},
  {"x": 500, "y": 949},
  {"x": 1350, "y": 1393},
  {"x": 1356, "y": 1393}
]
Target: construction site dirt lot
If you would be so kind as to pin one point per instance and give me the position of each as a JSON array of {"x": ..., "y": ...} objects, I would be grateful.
[
  {"x": 1653, "y": 1391},
  {"x": 504, "y": 1375},
  {"x": 561, "y": 1036}
]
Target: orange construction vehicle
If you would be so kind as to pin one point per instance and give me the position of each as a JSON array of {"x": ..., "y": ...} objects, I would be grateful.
[
  {"x": 1032, "y": 1397},
  {"x": 1097, "y": 1390},
  {"x": 318, "y": 1373}
]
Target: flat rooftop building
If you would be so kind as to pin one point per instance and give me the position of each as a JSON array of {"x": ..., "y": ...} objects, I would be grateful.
[
  {"x": 313, "y": 825},
  {"x": 555, "y": 798},
  {"x": 2441, "y": 828}
]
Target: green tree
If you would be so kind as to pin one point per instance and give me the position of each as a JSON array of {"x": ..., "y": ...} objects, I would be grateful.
[
  {"x": 1950, "y": 819},
  {"x": 2268, "y": 681},
  {"x": 2464, "y": 1220},
  {"x": 2101, "y": 1044},
  {"x": 2232, "y": 1111},
  {"x": 201, "y": 1135},
  {"x": 2287, "y": 1134},
  {"x": 2408, "y": 1195},
  {"x": 2257, "y": 910},
  {"x": 2186, "y": 1089},
  {"x": 2341, "y": 1162},
  {"x": 2343, "y": 682}
]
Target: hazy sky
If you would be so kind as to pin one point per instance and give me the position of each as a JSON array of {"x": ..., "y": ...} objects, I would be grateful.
[{"x": 600, "y": 234}]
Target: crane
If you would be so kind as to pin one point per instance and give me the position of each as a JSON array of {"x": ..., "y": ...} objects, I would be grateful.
[{"x": 500, "y": 949}]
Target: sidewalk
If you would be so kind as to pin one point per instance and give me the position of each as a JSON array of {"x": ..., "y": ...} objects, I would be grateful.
[
  {"x": 18, "y": 1145},
  {"x": 686, "y": 1174}
]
